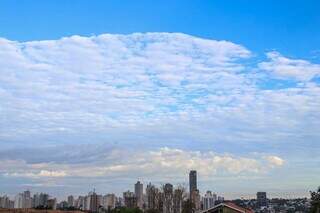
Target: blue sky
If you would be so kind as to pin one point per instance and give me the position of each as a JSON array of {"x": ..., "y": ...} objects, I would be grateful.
[
  {"x": 102, "y": 93},
  {"x": 288, "y": 26}
]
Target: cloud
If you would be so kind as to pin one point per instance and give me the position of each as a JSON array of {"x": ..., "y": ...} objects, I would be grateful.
[
  {"x": 110, "y": 106},
  {"x": 275, "y": 161},
  {"x": 146, "y": 163},
  {"x": 105, "y": 81},
  {"x": 282, "y": 67},
  {"x": 40, "y": 174}
]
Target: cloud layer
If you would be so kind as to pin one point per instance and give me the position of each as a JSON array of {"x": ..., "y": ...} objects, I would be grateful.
[
  {"x": 283, "y": 67},
  {"x": 164, "y": 162},
  {"x": 170, "y": 101}
]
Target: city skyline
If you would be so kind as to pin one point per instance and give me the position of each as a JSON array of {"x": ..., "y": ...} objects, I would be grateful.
[
  {"x": 163, "y": 199},
  {"x": 139, "y": 189},
  {"x": 97, "y": 94}
]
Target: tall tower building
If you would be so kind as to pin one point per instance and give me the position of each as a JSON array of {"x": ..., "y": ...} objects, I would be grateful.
[
  {"x": 138, "y": 191},
  {"x": 192, "y": 181}
]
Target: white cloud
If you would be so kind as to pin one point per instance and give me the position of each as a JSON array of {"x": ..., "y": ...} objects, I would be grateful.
[
  {"x": 283, "y": 67},
  {"x": 108, "y": 80},
  {"x": 150, "y": 90},
  {"x": 275, "y": 161},
  {"x": 153, "y": 164},
  {"x": 46, "y": 173}
]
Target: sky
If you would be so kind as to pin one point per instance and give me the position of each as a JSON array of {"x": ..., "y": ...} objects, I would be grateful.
[{"x": 100, "y": 94}]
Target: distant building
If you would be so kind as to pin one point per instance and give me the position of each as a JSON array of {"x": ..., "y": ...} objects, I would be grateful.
[
  {"x": 6, "y": 203},
  {"x": 62, "y": 205},
  {"x": 192, "y": 181},
  {"x": 36, "y": 200},
  {"x": 138, "y": 190},
  {"x": 43, "y": 199},
  {"x": 119, "y": 202},
  {"x": 209, "y": 200},
  {"x": 153, "y": 197},
  {"x": 87, "y": 202},
  {"x": 130, "y": 199},
  {"x": 262, "y": 200},
  {"x": 109, "y": 201},
  {"x": 94, "y": 203},
  {"x": 178, "y": 200},
  {"x": 100, "y": 200},
  {"x": 80, "y": 203},
  {"x": 168, "y": 198},
  {"x": 220, "y": 199},
  {"x": 70, "y": 201},
  {"x": 27, "y": 200},
  {"x": 195, "y": 199},
  {"x": 52, "y": 204},
  {"x": 23, "y": 200},
  {"x": 18, "y": 201}
]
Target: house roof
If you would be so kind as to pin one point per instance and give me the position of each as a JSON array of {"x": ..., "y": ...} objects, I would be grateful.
[{"x": 231, "y": 206}]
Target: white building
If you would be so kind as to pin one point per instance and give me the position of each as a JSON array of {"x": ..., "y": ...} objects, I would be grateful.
[
  {"x": 18, "y": 201},
  {"x": 209, "y": 200},
  {"x": 109, "y": 201}
]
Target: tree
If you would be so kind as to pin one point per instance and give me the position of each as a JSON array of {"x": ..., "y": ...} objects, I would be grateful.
[
  {"x": 187, "y": 206},
  {"x": 315, "y": 201}
]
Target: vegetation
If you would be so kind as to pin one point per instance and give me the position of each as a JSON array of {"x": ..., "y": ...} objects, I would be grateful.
[
  {"x": 315, "y": 201},
  {"x": 122, "y": 210}
]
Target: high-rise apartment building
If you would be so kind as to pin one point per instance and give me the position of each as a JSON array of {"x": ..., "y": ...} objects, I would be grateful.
[
  {"x": 192, "y": 181},
  {"x": 130, "y": 199},
  {"x": 87, "y": 202},
  {"x": 209, "y": 200},
  {"x": 70, "y": 201},
  {"x": 27, "y": 200},
  {"x": 80, "y": 204},
  {"x": 43, "y": 199},
  {"x": 152, "y": 196},
  {"x": 178, "y": 196},
  {"x": 109, "y": 201},
  {"x": 168, "y": 198},
  {"x": 18, "y": 201},
  {"x": 138, "y": 190},
  {"x": 94, "y": 203},
  {"x": 6, "y": 203},
  {"x": 52, "y": 203},
  {"x": 195, "y": 199}
]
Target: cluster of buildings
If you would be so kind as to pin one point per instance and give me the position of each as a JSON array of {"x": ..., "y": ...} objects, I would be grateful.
[
  {"x": 26, "y": 201},
  {"x": 275, "y": 205},
  {"x": 166, "y": 198},
  {"x": 91, "y": 202},
  {"x": 163, "y": 199}
]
